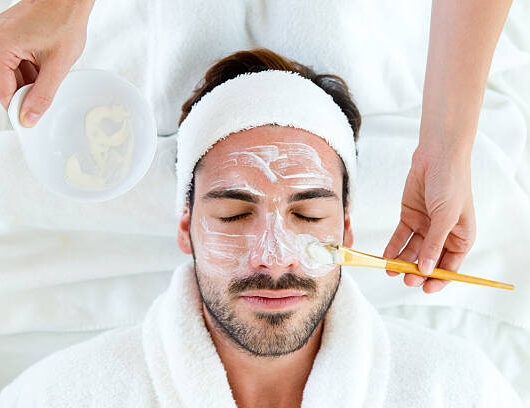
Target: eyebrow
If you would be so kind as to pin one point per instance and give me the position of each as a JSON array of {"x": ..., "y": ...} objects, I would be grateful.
[
  {"x": 311, "y": 194},
  {"x": 251, "y": 198},
  {"x": 231, "y": 194}
]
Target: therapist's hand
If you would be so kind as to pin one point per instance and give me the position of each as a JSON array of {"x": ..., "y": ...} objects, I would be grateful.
[
  {"x": 437, "y": 211},
  {"x": 437, "y": 206},
  {"x": 40, "y": 40}
]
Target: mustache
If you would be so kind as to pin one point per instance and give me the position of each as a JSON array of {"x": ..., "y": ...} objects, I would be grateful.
[{"x": 264, "y": 281}]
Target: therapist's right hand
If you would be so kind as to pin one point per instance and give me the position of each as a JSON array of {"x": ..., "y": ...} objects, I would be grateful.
[{"x": 40, "y": 40}]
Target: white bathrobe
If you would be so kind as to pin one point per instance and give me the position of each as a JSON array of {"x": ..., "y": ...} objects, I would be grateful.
[{"x": 170, "y": 361}]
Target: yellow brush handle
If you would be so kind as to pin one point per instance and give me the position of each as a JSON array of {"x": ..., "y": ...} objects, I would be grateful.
[
  {"x": 396, "y": 265},
  {"x": 350, "y": 257}
]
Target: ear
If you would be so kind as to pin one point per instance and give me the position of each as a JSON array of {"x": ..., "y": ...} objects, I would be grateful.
[
  {"x": 348, "y": 231},
  {"x": 183, "y": 232}
]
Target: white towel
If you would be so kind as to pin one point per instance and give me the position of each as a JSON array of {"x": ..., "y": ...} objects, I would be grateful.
[
  {"x": 164, "y": 47},
  {"x": 171, "y": 361}
]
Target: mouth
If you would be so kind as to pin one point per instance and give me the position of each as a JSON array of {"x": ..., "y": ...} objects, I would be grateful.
[{"x": 274, "y": 299}]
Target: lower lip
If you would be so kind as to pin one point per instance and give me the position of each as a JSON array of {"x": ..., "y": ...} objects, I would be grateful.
[{"x": 273, "y": 303}]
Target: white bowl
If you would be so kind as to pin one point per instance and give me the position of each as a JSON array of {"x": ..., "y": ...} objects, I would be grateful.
[{"x": 59, "y": 137}]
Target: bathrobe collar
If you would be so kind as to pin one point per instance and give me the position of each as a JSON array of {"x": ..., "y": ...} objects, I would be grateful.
[{"x": 350, "y": 369}]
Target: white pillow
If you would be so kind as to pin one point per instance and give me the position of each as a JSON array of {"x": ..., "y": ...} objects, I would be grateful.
[{"x": 164, "y": 47}]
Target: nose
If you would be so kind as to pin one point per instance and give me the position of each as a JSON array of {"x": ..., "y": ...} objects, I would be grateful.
[{"x": 274, "y": 251}]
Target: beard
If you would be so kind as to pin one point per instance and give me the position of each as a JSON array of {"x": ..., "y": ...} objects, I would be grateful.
[{"x": 267, "y": 334}]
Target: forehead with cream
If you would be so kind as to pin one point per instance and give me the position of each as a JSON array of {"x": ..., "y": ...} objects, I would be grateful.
[{"x": 272, "y": 156}]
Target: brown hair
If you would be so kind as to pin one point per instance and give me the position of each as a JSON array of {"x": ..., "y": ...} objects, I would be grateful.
[{"x": 263, "y": 59}]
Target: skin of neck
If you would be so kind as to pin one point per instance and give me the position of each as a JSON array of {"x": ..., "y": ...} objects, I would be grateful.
[{"x": 258, "y": 381}]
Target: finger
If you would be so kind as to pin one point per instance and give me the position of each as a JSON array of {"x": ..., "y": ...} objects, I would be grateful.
[
  {"x": 434, "y": 243},
  {"x": 434, "y": 285},
  {"x": 415, "y": 219},
  {"x": 413, "y": 280},
  {"x": 399, "y": 238},
  {"x": 410, "y": 254},
  {"x": 28, "y": 71},
  {"x": 40, "y": 96},
  {"x": 8, "y": 85},
  {"x": 412, "y": 249},
  {"x": 450, "y": 261}
]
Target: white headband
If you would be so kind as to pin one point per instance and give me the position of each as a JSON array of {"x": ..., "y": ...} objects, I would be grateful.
[{"x": 256, "y": 99}]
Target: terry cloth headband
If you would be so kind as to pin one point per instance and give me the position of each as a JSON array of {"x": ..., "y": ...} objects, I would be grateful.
[{"x": 256, "y": 99}]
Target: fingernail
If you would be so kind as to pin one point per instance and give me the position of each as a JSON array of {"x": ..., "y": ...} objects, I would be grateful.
[
  {"x": 29, "y": 119},
  {"x": 426, "y": 266}
]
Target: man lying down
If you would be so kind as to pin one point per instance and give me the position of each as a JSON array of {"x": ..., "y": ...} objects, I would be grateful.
[{"x": 266, "y": 164}]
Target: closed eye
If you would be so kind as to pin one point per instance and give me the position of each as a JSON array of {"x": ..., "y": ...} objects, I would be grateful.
[
  {"x": 244, "y": 215},
  {"x": 234, "y": 217},
  {"x": 306, "y": 219}
]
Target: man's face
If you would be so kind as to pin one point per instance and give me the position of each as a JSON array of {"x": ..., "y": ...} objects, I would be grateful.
[{"x": 261, "y": 195}]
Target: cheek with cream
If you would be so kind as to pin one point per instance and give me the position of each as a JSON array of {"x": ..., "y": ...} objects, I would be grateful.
[
  {"x": 235, "y": 255},
  {"x": 236, "y": 250}
]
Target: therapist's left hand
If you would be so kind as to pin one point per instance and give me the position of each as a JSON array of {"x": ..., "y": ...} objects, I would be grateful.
[
  {"x": 437, "y": 214},
  {"x": 39, "y": 43}
]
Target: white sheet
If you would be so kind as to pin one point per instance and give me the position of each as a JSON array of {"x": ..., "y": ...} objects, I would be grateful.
[
  {"x": 175, "y": 363},
  {"x": 506, "y": 345},
  {"x": 51, "y": 248}
]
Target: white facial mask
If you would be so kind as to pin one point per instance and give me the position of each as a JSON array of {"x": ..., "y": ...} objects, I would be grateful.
[
  {"x": 294, "y": 165},
  {"x": 296, "y": 162},
  {"x": 240, "y": 185},
  {"x": 274, "y": 245}
]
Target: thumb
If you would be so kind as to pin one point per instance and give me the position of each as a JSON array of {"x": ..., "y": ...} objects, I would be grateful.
[
  {"x": 433, "y": 243},
  {"x": 40, "y": 96}
]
